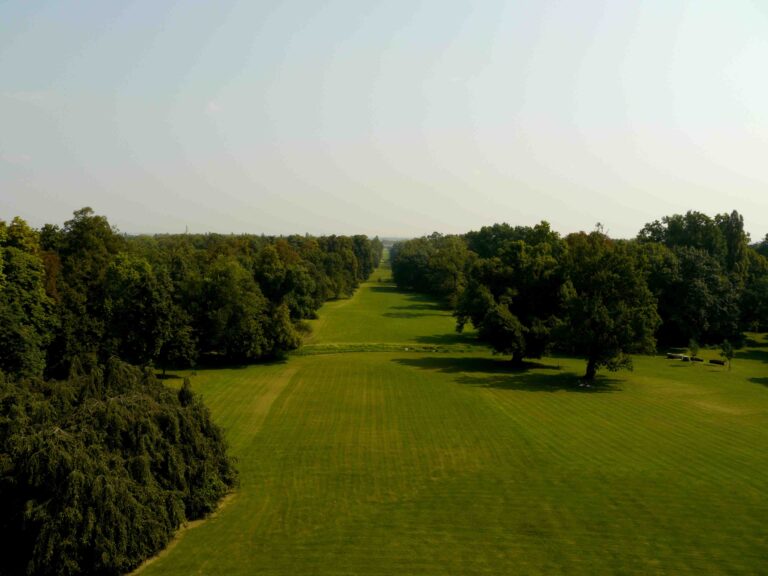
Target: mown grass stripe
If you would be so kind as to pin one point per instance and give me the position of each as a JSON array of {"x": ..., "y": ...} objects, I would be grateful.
[{"x": 400, "y": 462}]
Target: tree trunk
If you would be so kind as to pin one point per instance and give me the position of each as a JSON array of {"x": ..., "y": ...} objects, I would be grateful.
[{"x": 591, "y": 370}]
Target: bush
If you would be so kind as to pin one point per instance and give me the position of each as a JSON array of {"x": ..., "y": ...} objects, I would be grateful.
[{"x": 97, "y": 472}]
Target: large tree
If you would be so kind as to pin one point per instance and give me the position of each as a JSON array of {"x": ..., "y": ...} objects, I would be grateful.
[
  {"x": 513, "y": 297},
  {"x": 137, "y": 309},
  {"x": 610, "y": 312},
  {"x": 26, "y": 311},
  {"x": 233, "y": 313},
  {"x": 82, "y": 252}
]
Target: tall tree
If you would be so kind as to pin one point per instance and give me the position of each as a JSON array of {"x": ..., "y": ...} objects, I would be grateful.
[
  {"x": 137, "y": 309},
  {"x": 610, "y": 312},
  {"x": 514, "y": 297},
  {"x": 26, "y": 311},
  {"x": 233, "y": 313},
  {"x": 85, "y": 246}
]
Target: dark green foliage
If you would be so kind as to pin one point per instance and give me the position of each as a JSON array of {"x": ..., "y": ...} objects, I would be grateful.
[
  {"x": 435, "y": 264},
  {"x": 26, "y": 311},
  {"x": 233, "y": 312},
  {"x": 137, "y": 309},
  {"x": 727, "y": 352},
  {"x": 762, "y": 247},
  {"x": 97, "y": 472},
  {"x": 754, "y": 297},
  {"x": 84, "y": 290},
  {"x": 81, "y": 253},
  {"x": 712, "y": 288},
  {"x": 179, "y": 349},
  {"x": 514, "y": 298},
  {"x": 610, "y": 312},
  {"x": 341, "y": 268}
]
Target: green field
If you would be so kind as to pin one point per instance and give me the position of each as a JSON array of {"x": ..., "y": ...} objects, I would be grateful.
[{"x": 391, "y": 446}]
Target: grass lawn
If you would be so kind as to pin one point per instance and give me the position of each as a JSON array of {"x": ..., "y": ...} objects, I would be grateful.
[{"x": 383, "y": 460}]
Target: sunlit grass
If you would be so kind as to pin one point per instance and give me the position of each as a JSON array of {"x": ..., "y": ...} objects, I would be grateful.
[{"x": 420, "y": 462}]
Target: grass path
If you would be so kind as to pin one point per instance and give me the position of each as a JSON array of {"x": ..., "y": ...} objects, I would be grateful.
[
  {"x": 380, "y": 315},
  {"x": 447, "y": 462}
]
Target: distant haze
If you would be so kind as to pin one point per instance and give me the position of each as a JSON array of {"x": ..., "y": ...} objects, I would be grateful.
[{"x": 393, "y": 118}]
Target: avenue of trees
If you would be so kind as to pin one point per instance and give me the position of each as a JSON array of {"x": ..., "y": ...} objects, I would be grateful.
[
  {"x": 100, "y": 462},
  {"x": 686, "y": 278},
  {"x": 85, "y": 291}
]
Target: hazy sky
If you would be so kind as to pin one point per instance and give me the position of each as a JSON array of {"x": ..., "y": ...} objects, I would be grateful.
[{"x": 393, "y": 117}]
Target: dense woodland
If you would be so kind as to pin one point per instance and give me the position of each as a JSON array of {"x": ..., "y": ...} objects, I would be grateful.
[
  {"x": 686, "y": 280},
  {"x": 100, "y": 462}
]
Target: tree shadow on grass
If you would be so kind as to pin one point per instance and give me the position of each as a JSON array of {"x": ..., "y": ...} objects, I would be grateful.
[
  {"x": 408, "y": 315},
  {"x": 214, "y": 361},
  {"x": 752, "y": 343},
  {"x": 491, "y": 373},
  {"x": 427, "y": 306},
  {"x": 762, "y": 380},
  {"x": 389, "y": 289},
  {"x": 759, "y": 355},
  {"x": 448, "y": 338}
]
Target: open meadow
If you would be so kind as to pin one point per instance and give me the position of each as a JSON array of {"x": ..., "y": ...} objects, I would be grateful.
[{"x": 391, "y": 445}]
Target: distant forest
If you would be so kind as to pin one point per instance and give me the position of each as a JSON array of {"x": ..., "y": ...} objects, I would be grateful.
[
  {"x": 100, "y": 462},
  {"x": 685, "y": 280}
]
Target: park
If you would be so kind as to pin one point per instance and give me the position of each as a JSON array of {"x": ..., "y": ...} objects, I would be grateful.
[{"x": 390, "y": 444}]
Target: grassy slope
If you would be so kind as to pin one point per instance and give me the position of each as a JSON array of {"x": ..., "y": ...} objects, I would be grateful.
[{"x": 448, "y": 463}]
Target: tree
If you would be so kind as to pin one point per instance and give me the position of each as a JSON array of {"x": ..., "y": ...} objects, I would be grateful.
[
  {"x": 693, "y": 348},
  {"x": 85, "y": 246},
  {"x": 179, "y": 350},
  {"x": 610, "y": 312},
  {"x": 137, "y": 309},
  {"x": 233, "y": 313},
  {"x": 26, "y": 311},
  {"x": 513, "y": 297},
  {"x": 754, "y": 297},
  {"x": 727, "y": 352},
  {"x": 731, "y": 228}
]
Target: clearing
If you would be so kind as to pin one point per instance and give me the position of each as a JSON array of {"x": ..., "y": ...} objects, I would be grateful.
[{"x": 391, "y": 445}]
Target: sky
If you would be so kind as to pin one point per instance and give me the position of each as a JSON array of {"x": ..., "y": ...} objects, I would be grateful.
[{"x": 393, "y": 118}]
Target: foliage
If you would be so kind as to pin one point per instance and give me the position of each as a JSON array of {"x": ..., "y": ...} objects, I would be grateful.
[
  {"x": 137, "y": 305},
  {"x": 98, "y": 471},
  {"x": 713, "y": 290},
  {"x": 434, "y": 264},
  {"x": 26, "y": 311},
  {"x": 610, "y": 312},
  {"x": 513, "y": 297},
  {"x": 727, "y": 352},
  {"x": 706, "y": 282},
  {"x": 84, "y": 290}
]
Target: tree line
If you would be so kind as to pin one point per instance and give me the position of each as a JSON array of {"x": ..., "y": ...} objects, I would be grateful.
[
  {"x": 85, "y": 291},
  {"x": 99, "y": 461},
  {"x": 685, "y": 279}
]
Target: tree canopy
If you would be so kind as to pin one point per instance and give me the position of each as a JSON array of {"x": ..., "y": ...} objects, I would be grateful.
[
  {"x": 98, "y": 471},
  {"x": 526, "y": 290}
]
